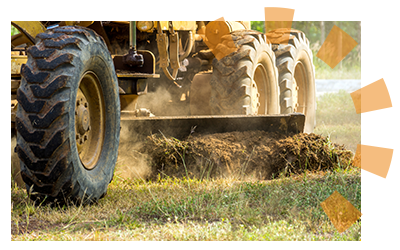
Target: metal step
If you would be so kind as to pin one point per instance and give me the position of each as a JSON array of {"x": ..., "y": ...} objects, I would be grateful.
[{"x": 126, "y": 74}]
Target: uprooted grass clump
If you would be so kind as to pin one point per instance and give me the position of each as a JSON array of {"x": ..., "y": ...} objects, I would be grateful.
[{"x": 252, "y": 154}]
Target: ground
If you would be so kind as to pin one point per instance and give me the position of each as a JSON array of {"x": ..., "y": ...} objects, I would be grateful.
[
  {"x": 287, "y": 208},
  {"x": 256, "y": 155},
  {"x": 232, "y": 186}
]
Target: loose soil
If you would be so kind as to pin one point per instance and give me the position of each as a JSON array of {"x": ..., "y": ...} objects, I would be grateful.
[{"x": 252, "y": 154}]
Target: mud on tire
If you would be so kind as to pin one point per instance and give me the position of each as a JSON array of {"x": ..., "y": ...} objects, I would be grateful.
[
  {"x": 245, "y": 81},
  {"x": 296, "y": 73},
  {"x": 66, "y": 63}
]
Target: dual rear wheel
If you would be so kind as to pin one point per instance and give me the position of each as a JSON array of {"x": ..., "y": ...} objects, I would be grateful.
[
  {"x": 68, "y": 117},
  {"x": 265, "y": 78}
]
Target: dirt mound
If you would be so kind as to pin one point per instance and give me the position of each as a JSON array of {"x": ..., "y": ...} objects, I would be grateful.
[{"x": 251, "y": 154}]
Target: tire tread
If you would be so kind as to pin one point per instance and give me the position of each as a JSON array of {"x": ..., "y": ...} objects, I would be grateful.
[{"x": 43, "y": 143}]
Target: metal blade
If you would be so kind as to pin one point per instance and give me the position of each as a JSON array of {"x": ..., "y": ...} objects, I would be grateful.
[{"x": 181, "y": 127}]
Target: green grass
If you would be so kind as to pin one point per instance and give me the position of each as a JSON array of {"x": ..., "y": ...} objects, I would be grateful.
[
  {"x": 182, "y": 209},
  {"x": 286, "y": 208},
  {"x": 348, "y": 68},
  {"x": 337, "y": 118},
  {"x": 325, "y": 72}
]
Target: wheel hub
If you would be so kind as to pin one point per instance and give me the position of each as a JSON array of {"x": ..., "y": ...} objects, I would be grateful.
[
  {"x": 89, "y": 120},
  {"x": 82, "y": 117}
]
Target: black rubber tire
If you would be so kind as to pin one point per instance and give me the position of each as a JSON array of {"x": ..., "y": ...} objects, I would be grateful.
[
  {"x": 232, "y": 85},
  {"x": 294, "y": 60},
  {"x": 46, "y": 143}
]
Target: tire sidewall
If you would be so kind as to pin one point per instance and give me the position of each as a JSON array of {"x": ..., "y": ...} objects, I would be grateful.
[
  {"x": 93, "y": 183},
  {"x": 266, "y": 58},
  {"x": 303, "y": 56},
  {"x": 289, "y": 53}
]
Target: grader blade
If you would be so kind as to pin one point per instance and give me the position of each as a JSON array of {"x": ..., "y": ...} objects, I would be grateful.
[{"x": 181, "y": 127}]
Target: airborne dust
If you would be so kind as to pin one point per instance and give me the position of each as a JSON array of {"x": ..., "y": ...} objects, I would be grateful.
[
  {"x": 256, "y": 155},
  {"x": 131, "y": 162}
]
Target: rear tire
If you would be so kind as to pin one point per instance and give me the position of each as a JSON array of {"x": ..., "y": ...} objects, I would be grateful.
[
  {"x": 68, "y": 117},
  {"x": 245, "y": 81},
  {"x": 294, "y": 60}
]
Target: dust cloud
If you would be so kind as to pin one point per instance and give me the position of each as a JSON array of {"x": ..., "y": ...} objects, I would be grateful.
[
  {"x": 156, "y": 102},
  {"x": 15, "y": 163},
  {"x": 132, "y": 164}
]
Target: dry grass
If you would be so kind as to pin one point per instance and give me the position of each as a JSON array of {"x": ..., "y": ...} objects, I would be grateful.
[
  {"x": 287, "y": 208},
  {"x": 189, "y": 209}
]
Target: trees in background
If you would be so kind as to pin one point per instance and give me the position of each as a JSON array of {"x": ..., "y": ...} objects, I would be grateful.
[
  {"x": 317, "y": 31},
  {"x": 14, "y": 30}
]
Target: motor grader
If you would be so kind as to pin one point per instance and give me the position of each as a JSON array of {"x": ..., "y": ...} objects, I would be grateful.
[{"x": 76, "y": 85}]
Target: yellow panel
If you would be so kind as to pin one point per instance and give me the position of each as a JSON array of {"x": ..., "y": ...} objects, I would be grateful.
[
  {"x": 79, "y": 23},
  {"x": 29, "y": 27},
  {"x": 16, "y": 63},
  {"x": 178, "y": 25}
]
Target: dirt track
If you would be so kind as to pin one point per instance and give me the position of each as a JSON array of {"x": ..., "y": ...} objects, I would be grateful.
[{"x": 253, "y": 154}]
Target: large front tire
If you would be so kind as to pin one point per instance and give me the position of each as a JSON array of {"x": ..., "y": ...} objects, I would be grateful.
[{"x": 68, "y": 116}]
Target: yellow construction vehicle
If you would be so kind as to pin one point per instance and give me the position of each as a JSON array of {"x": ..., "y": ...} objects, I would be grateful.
[{"x": 76, "y": 85}]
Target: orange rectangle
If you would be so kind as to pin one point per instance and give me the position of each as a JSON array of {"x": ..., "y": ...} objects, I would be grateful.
[
  {"x": 278, "y": 18},
  {"x": 373, "y": 159},
  {"x": 372, "y": 97},
  {"x": 336, "y": 47},
  {"x": 375, "y": 96},
  {"x": 278, "y": 14},
  {"x": 356, "y": 96},
  {"x": 340, "y": 211}
]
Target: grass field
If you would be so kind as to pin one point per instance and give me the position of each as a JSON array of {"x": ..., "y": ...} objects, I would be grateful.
[
  {"x": 287, "y": 208},
  {"x": 337, "y": 118},
  {"x": 179, "y": 209}
]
